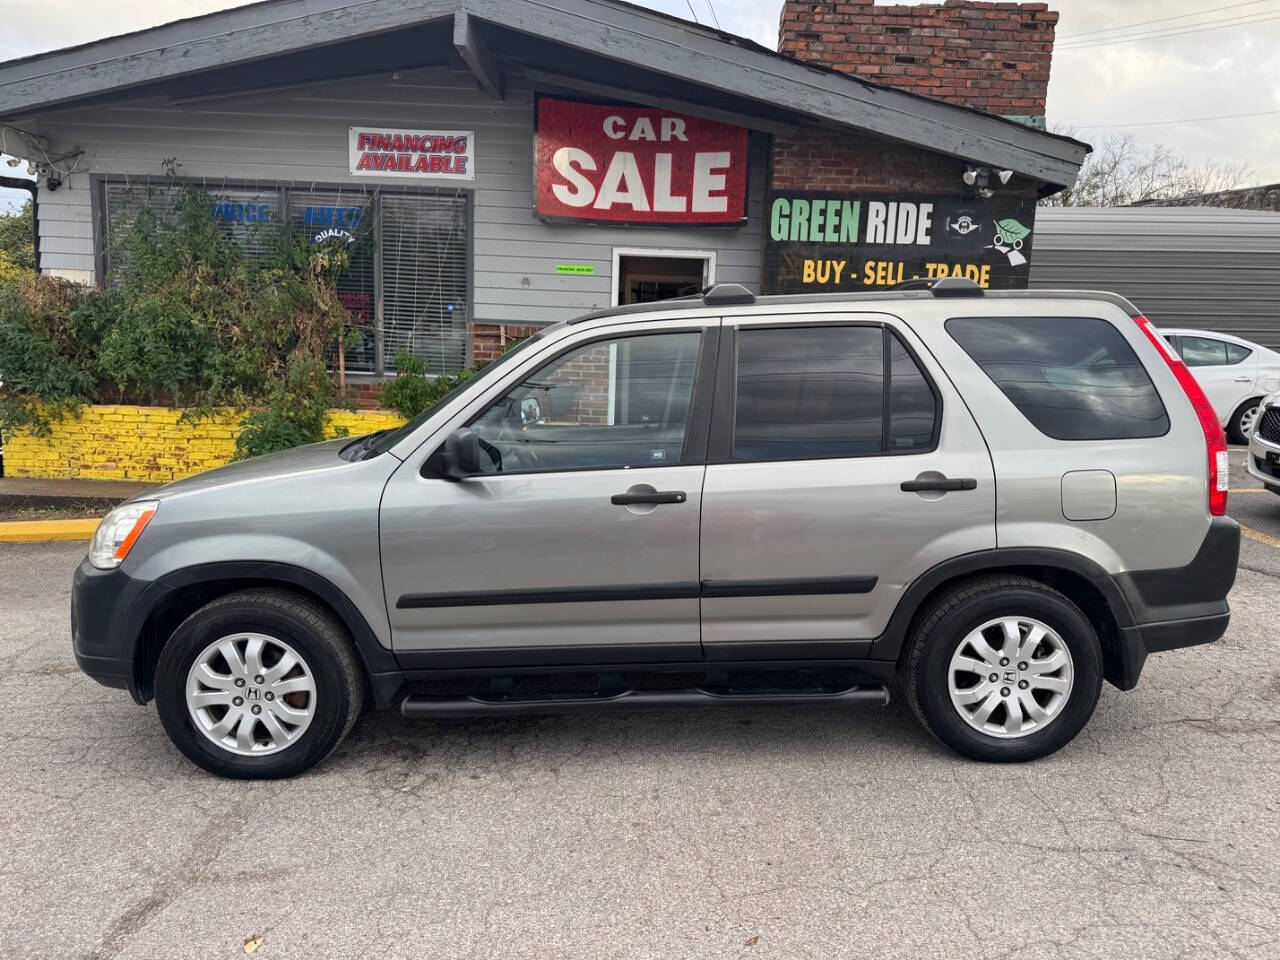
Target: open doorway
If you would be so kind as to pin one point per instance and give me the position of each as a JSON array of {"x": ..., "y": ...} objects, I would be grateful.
[{"x": 646, "y": 276}]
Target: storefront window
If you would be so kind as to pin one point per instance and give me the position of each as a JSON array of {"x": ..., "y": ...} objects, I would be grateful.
[{"x": 406, "y": 283}]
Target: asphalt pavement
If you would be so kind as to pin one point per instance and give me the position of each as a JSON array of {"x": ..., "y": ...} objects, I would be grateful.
[{"x": 806, "y": 833}]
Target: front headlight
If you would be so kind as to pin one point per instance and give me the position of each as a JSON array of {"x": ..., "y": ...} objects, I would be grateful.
[{"x": 118, "y": 532}]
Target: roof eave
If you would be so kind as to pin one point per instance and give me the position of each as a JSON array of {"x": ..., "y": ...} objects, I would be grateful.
[{"x": 619, "y": 31}]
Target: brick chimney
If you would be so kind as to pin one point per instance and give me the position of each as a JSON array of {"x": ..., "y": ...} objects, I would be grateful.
[{"x": 992, "y": 56}]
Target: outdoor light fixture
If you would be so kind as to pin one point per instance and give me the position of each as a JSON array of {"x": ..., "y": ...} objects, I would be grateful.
[
  {"x": 13, "y": 161},
  {"x": 980, "y": 178}
]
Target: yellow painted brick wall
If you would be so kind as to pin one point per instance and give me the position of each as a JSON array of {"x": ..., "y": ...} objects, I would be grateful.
[{"x": 148, "y": 444}]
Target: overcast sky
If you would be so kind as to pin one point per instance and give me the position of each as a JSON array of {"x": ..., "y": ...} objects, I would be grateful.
[{"x": 1111, "y": 78}]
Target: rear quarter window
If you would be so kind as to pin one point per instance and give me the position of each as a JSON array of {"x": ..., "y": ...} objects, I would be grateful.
[{"x": 1074, "y": 378}]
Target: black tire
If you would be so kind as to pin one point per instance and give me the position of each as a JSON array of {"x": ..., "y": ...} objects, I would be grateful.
[
  {"x": 317, "y": 638},
  {"x": 945, "y": 624},
  {"x": 1235, "y": 426},
  {"x": 1273, "y": 488}
]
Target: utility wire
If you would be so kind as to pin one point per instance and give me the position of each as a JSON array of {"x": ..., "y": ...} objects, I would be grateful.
[
  {"x": 1161, "y": 36},
  {"x": 692, "y": 14},
  {"x": 1181, "y": 16},
  {"x": 711, "y": 7},
  {"x": 1259, "y": 16},
  {"x": 1160, "y": 123}
]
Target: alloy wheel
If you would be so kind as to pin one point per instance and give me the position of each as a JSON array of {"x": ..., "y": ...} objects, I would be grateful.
[
  {"x": 1248, "y": 419},
  {"x": 1010, "y": 677},
  {"x": 251, "y": 694}
]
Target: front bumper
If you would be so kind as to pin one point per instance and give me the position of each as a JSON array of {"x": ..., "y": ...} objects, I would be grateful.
[
  {"x": 1263, "y": 461},
  {"x": 104, "y": 637}
]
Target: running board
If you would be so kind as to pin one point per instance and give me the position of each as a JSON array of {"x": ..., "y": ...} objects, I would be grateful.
[{"x": 421, "y": 707}]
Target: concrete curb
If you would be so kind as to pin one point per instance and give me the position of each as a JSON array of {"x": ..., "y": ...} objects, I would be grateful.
[{"x": 46, "y": 531}]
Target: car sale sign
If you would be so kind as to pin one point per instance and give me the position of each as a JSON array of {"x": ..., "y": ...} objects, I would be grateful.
[
  {"x": 637, "y": 165},
  {"x": 416, "y": 154}
]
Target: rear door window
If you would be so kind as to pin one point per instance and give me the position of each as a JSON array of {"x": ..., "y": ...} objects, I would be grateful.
[
  {"x": 1237, "y": 354},
  {"x": 1074, "y": 378},
  {"x": 1203, "y": 351},
  {"x": 826, "y": 392}
]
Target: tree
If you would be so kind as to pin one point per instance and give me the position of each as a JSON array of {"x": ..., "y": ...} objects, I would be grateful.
[
  {"x": 17, "y": 242},
  {"x": 1119, "y": 172}
]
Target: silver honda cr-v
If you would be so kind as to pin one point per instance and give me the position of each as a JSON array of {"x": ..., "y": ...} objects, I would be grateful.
[{"x": 988, "y": 501}]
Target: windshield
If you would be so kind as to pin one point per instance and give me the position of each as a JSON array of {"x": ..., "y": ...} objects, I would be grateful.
[{"x": 389, "y": 439}]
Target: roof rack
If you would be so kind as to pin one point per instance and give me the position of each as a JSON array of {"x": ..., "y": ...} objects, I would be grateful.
[
  {"x": 727, "y": 294},
  {"x": 942, "y": 286}
]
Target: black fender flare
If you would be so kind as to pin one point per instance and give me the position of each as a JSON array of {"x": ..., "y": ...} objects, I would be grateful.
[
  {"x": 381, "y": 667},
  {"x": 888, "y": 646}
]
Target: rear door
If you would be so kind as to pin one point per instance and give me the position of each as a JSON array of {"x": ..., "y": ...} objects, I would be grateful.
[
  {"x": 842, "y": 465},
  {"x": 1227, "y": 372}
]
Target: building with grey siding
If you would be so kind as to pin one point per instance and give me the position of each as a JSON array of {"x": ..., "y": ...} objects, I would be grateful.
[
  {"x": 1208, "y": 267},
  {"x": 471, "y": 154}
]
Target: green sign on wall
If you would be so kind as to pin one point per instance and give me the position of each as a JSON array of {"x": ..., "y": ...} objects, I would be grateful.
[
  {"x": 577, "y": 269},
  {"x": 848, "y": 241}
]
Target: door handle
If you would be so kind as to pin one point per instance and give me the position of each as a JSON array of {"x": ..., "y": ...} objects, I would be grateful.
[
  {"x": 941, "y": 485},
  {"x": 659, "y": 496},
  {"x": 1244, "y": 379}
]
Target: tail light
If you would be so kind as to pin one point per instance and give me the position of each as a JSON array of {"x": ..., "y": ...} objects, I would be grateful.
[{"x": 1214, "y": 440}]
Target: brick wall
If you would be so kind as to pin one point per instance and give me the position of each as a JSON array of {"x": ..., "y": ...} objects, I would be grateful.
[
  {"x": 822, "y": 160},
  {"x": 814, "y": 159},
  {"x": 488, "y": 340},
  {"x": 992, "y": 56},
  {"x": 147, "y": 444}
]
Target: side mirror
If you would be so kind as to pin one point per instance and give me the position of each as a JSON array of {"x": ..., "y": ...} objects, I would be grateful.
[{"x": 460, "y": 457}]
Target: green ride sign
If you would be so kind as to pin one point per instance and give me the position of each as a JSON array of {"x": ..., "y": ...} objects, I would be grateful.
[{"x": 826, "y": 242}]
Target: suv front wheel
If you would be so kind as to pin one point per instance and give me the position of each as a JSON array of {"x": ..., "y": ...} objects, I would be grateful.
[
  {"x": 258, "y": 684},
  {"x": 1004, "y": 669}
]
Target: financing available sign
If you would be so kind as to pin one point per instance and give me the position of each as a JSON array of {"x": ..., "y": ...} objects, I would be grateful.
[
  {"x": 413, "y": 154},
  {"x": 618, "y": 164},
  {"x": 839, "y": 241}
]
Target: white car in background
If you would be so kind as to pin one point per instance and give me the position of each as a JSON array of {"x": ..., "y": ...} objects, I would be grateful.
[{"x": 1235, "y": 375}]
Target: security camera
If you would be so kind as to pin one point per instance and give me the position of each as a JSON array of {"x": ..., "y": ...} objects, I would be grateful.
[
  {"x": 1006, "y": 176},
  {"x": 31, "y": 168},
  {"x": 53, "y": 183}
]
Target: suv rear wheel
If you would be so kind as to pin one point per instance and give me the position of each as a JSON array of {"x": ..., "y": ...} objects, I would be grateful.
[
  {"x": 257, "y": 685},
  {"x": 1004, "y": 668}
]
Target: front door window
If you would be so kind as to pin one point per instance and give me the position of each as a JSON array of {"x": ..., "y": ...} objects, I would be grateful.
[{"x": 613, "y": 403}]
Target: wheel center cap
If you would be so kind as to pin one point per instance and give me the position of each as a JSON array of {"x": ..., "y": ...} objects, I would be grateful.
[
  {"x": 1011, "y": 676},
  {"x": 253, "y": 694}
]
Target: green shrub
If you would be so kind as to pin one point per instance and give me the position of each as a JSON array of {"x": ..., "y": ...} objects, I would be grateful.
[
  {"x": 189, "y": 320},
  {"x": 414, "y": 390},
  {"x": 295, "y": 412},
  {"x": 17, "y": 242},
  {"x": 10, "y": 272},
  {"x": 46, "y": 342}
]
